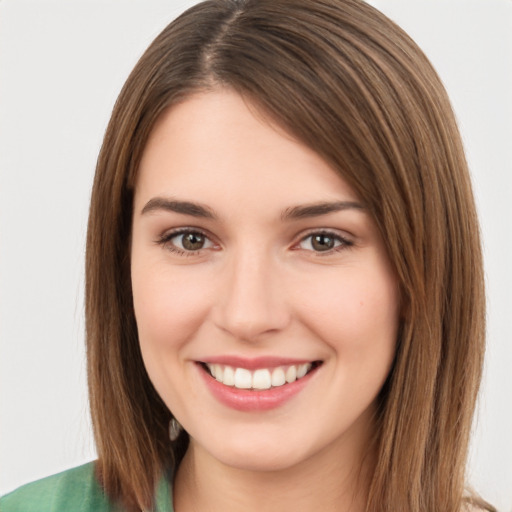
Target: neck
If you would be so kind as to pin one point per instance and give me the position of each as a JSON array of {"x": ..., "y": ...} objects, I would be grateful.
[{"x": 336, "y": 480}]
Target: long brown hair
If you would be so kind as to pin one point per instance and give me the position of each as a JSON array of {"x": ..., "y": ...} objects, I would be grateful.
[{"x": 346, "y": 81}]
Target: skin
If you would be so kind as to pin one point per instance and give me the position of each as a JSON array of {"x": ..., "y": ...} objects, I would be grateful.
[{"x": 260, "y": 287}]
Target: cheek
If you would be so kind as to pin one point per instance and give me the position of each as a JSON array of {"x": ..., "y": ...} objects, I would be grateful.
[
  {"x": 169, "y": 307},
  {"x": 169, "y": 311},
  {"x": 356, "y": 311}
]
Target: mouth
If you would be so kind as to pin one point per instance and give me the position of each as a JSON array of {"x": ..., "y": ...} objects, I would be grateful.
[{"x": 258, "y": 379}]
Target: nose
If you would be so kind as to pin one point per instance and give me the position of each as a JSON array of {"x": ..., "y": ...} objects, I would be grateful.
[{"x": 252, "y": 301}]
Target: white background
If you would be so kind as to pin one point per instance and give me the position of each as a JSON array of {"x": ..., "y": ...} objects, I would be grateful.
[{"x": 62, "y": 64}]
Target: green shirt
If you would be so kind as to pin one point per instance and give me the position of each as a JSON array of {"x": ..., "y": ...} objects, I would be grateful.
[{"x": 75, "y": 490}]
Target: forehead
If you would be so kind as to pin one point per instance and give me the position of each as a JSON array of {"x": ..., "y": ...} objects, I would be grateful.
[{"x": 218, "y": 144}]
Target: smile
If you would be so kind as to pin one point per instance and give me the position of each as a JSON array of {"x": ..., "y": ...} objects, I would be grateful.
[
  {"x": 258, "y": 379},
  {"x": 256, "y": 385}
]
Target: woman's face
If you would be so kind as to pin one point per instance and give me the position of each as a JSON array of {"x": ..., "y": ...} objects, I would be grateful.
[{"x": 253, "y": 261}]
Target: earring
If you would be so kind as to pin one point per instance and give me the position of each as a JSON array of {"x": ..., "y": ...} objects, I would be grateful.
[{"x": 174, "y": 429}]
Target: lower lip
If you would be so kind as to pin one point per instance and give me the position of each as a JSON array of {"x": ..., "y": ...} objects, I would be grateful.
[{"x": 254, "y": 400}]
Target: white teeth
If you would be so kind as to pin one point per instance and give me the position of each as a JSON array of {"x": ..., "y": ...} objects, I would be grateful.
[
  {"x": 291, "y": 374},
  {"x": 243, "y": 378},
  {"x": 278, "y": 378},
  {"x": 229, "y": 376},
  {"x": 302, "y": 370},
  {"x": 219, "y": 373},
  {"x": 262, "y": 378}
]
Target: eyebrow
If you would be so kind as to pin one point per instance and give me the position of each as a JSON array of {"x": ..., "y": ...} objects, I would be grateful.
[
  {"x": 292, "y": 213},
  {"x": 185, "y": 207},
  {"x": 318, "y": 209}
]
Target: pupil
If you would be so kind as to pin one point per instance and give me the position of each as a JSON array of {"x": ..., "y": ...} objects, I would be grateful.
[
  {"x": 193, "y": 241},
  {"x": 322, "y": 242}
]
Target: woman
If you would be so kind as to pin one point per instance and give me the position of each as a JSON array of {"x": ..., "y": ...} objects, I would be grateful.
[{"x": 283, "y": 273}]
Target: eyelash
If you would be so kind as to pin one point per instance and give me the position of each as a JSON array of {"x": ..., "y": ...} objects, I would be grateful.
[
  {"x": 165, "y": 240},
  {"x": 344, "y": 243}
]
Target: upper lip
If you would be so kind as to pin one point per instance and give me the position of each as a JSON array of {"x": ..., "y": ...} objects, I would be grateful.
[{"x": 256, "y": 362}]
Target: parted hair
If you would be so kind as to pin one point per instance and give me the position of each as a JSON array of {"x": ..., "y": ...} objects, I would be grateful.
[{"x": 346, "y": 81}]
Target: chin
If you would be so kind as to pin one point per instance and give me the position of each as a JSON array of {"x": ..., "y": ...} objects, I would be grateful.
[
  {"x": 260, "y": 460},
  {"x": 258, "y": 451}
]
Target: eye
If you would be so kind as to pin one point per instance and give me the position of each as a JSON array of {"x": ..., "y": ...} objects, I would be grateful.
[
  {"x": 191, "y": 241},
  {"x": 186, "y": 241},
  {"x": 324, "y": 242}
]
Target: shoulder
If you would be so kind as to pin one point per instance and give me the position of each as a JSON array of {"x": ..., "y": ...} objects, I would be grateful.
[{"x": 76, "y": 489}]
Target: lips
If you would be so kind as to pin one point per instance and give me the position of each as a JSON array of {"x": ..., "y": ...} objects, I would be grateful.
[{"x": 256, "y": 385}]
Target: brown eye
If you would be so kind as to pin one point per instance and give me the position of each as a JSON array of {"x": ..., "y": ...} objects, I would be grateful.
[
  {"x": 186, "y": 241},
  {"x": 322, "y": 242},
  {"x": 192, "y": 241}
]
